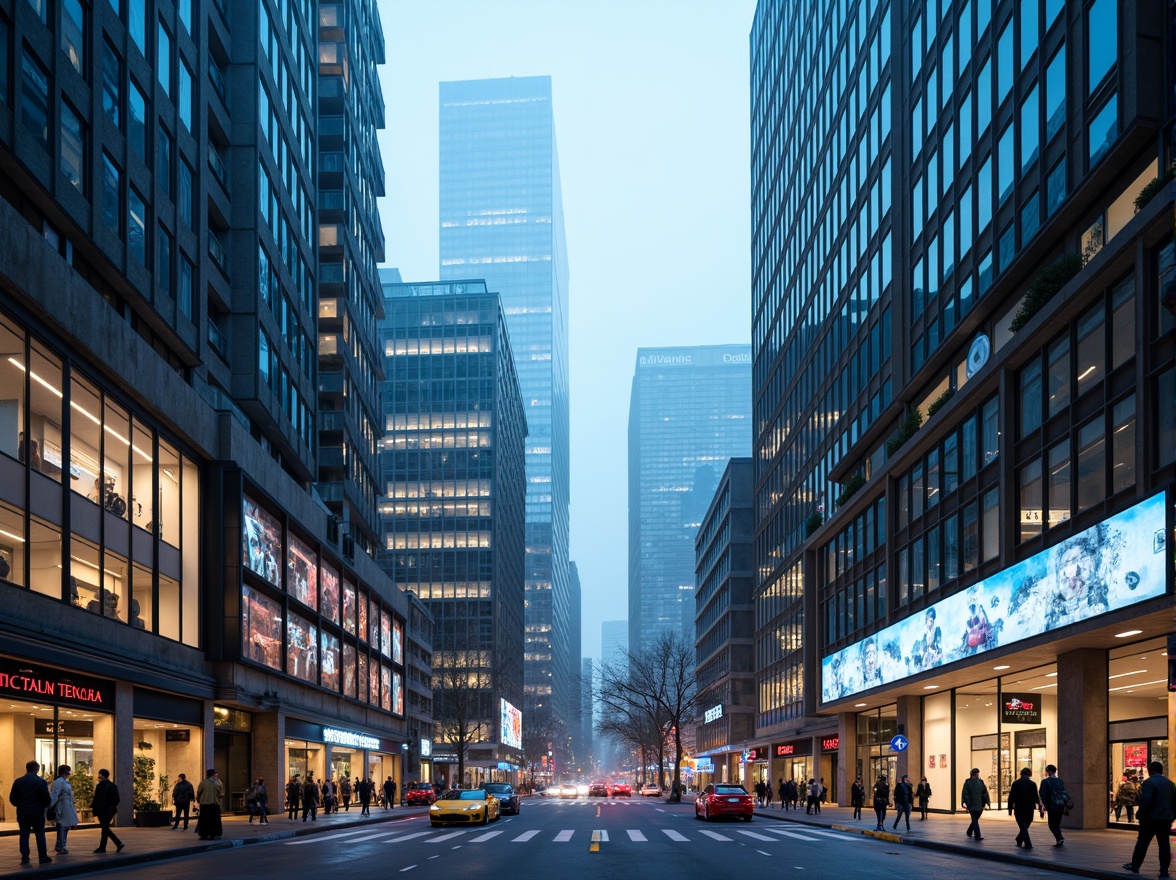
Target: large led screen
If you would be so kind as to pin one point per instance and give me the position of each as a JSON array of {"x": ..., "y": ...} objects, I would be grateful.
[
  {"x": 261, "y": 628},
  {"x": 261, "y": 541},
  {"x": 302, "y": 573},
  {"x": 1119, "y": 562},
  {"x": 511, "y": 722}
]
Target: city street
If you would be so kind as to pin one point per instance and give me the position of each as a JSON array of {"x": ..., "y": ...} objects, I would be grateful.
[{"x": 555, "y": 838}]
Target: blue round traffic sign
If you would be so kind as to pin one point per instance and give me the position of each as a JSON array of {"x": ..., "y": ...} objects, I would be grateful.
[{"x": 899, "y": 743}]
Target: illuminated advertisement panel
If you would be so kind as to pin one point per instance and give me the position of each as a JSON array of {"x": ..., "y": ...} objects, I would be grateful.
[
  {"x": 511, "y": 723},
  {"x": 302, "y": 573},
  {"x": 1117, "y": 563},
  {"x": 262, "y": 542}
]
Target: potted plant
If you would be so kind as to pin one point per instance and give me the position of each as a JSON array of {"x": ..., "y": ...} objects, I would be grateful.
[
  {"x": 149, "y": 813},
  {"x": 82, "y": 781}
]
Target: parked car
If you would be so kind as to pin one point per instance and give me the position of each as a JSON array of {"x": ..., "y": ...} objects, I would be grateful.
[
  {"x": 650, "y": 790},
  {"x": 508, "y": 799},
  {"x": 622, "y": 789},
  {"x": 716, "y": 801},
  {"x": 599, "y": 788},
  {"x": 464, "y": 807},
  {"x": 420, "y": 793}
]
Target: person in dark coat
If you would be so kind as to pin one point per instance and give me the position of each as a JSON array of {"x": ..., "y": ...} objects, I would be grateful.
[
  {"x": 974, "y": 799},
  {"x": 1051, "y": 786},
  {"x": 1023, "y": 800},
  {"x": 210, "y": 794},
  {"x": 364, "y": 789},
  {"x": 104, "y": 806},
  {"x": 923, "y": 796},
  {"x": 293, "y": 797},
  {"x": 857, "y": 797},
  {"x": 1155, "y": 809},
  {"x": 881, "y": 800},
  {"x": 182, "y": 796},
  {"x": 345, "y": 793},
  {"x": 310, "y": 799},
  {"x": 30, "y": 796},
  {"x": 759, "y": 793},
  {"x": 782, "y": 793},
  {"x": 904, "y": 799}
]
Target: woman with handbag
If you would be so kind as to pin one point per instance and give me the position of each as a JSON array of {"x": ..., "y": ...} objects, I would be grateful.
[{"x": 61, "y": 807}]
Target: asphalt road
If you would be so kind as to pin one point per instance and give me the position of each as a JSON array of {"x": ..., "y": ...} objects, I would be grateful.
[{"x": 552, "y": 840}]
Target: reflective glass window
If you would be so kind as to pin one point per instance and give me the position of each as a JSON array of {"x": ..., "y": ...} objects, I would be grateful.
[
  {"x": 1123, "y": 445},
  {"x": 45, "y": 404},
  {"x": 34, "y": 99},
  {"x": 916, "y": 48},
  {"x": 185, "y": 285},
  {"x": 984, "y": 194},
  {"x": 1091, "y": 349},
  {"x": 1059, "y": 375},
  {"x": 970, "y": 535},
  {"x": 1005, "y": 166},
  {"x": 990, "y": 430},
  {"x": 185, "y": 103},
  {"x": 111, "y": 83},
  {"x": 5, "y": 56},
  {"x": 163, "y": 262},
  {"x": 1056, "y": 186},
  {"x": 1104, "y": 129},
  {"x": 1007, "y": 247},
  {"x": 1123, "y": 322},
  {"x": 1030, "y": 397},
  {"x": 1102, "y": 41},
  {"x": 136, "y": 225},
  {"x": 73, "y": 148},
  {"x": 185, "y": 193},
  {"x": 137, "y": 25},
  {"x": 1030, "y": 217},
  {"x": 984, "y": 97},
  {"x": 1029, "y": 134},
  {"x": 111, "y": 201},
  {"x": 1029, "y": 25},
  {"x": 966, "y": 237},
  {"x": 990, "y": 527},
  {"x": 163, "y": 59},
  {"x": 163, "y": 169},
  {"x": 137, "y": 111},
  {"x": 1092, "y": 464},
  {"x": 964, "y": 29},
  {"x": 73, "y": 29},
  {"x": 1005, "y": 65},
  {"x": 1058, "y": 502},
  {"x": 1055, "y": 94},
  {"x": 1029, "y": 486}
]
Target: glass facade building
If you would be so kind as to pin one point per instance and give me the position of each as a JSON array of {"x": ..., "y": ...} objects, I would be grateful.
[
  {"x": 964, "y": 380},
  {"x": 158, "y": 315},
  {"x": 689, "y": 412},
  {"x": 501, "y": 216},
  {"x": 453, "y": 516}
]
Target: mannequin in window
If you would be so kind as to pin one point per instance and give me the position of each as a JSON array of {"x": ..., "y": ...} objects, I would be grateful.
[
  {"x": 29, "y": 451},
  {"x": 136, "y": 620}
]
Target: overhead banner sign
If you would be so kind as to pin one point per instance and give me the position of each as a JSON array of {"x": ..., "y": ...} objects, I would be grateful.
[
  {"x": 1116, "y": 563},
  {"x": 1020, "y": 708}
]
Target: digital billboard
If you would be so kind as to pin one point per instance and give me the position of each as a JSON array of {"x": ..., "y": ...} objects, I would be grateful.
[
  {"x": 511, "y": 724},
  {"x": 1111, "y": 565}
]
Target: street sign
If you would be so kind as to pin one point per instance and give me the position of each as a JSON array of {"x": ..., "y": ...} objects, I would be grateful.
[{"x": 898, "y": 743}]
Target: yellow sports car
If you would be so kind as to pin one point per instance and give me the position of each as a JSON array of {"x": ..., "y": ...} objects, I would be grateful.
[{"x": 464, "y": 806}]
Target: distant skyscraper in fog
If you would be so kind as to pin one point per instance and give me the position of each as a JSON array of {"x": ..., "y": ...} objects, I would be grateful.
[
  {"x": 501, "y": 216},
  {"x": 689, "y": 413}
]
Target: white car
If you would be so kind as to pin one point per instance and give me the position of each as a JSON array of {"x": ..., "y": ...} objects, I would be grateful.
[
  {"x": 569, "y": 790},
  {"x": 650, "y": 790}
]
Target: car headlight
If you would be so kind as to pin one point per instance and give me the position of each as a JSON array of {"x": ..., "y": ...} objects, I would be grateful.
[
  {"x": 434, "y": 809},
  {"x": 474, "y": 808}
]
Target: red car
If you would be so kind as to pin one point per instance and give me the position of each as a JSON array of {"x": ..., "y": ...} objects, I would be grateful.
[
  {"x": 420, "y": 793},
  {"x": 723, "y": 800},
  {"x": 622, "y": 789}
]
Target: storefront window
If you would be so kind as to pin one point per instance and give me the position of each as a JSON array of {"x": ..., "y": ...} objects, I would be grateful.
[
  {"x": 1137, "y": 732},
  {"x": 874, "y": 756},
  {"x": 162, "y": 751}
]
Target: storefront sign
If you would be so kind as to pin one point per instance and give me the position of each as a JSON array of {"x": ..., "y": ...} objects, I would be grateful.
[
  {"x": 795, "y": 748},
  {"x": 350, "y": 738},
  {"x": 753, "y": 755},
  {"x": 20, "y": 681},
  {"x": 830, "y": 743},
  {"x": 445, "y": 757},
  {"x": 1020, "y": 708},
  {"x": 69, "y": 729},
  {"x": 714, "y": 713},
  {"x": 704, "y": 765},
  {"x": 785, "y": 749},
  {"x": 426, "y": 747},
  {"x": 177, "y": 736},
  {"x": 1135, "y": 756},
  {"x": 511, "y": 725},
  {"x": 1114, "y": 564}
]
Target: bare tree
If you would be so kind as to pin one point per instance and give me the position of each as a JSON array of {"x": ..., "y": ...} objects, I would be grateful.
[
  {"x": 462, "y": 695},
  {"x": 540, "y": 732}
]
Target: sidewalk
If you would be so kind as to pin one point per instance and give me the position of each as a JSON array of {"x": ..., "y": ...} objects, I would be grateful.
[
  {"x": 1097, "y": 853},
  {"x": 152, "y": 844}
]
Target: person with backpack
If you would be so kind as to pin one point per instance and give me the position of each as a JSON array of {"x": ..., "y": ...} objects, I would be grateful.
[
  {"x": 293, "y": 797},
  {"x": 1155, "y": 810},
  {"x": 1054, "y": 802},
  {"x": 881, "y": 801},
  {"x": 1125, "y": 797},
  {"x": 345, "y": 793}
]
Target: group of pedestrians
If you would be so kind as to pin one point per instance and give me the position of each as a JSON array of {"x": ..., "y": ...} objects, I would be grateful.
[
  {"x": 307, "y": 796},
  {"x": 34, "y": 800}
]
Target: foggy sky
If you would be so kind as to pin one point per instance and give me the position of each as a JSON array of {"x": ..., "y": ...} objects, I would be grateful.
[{"x": 651, "y": 116}]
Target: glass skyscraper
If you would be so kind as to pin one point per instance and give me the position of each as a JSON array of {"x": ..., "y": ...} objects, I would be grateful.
[
  {"x": 690, "y": 412},
  {"x": 501, "y": 216},
  {"x": 963, "y": 274}
]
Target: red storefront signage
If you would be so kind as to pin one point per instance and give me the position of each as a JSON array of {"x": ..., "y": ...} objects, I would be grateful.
[
  {"x": 785, "y": 749},
  {"x": 830, "y": 743},
  {"x": 26, "y": 682}
]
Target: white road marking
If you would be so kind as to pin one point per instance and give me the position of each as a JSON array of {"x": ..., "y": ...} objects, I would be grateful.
[
  {"x": 563, "y": 837},
  {"x": 409, "y": 868},
  {"x": 755, "y": 836},
  {"x": 715, "y": 835},
  {"x": 601, "y": 836},
  {"x": 373, "y": 836},
  {"x": 524, "y": 837},
  {"x": 796, "y": 835},
  {"x": 636, "y": 836},
  {"x": 316, "y": 838},
  {"x": 445, "y": 837},
  {"x": 482, "y": 838},
  {"x": 762, "y": 853},
  {"x": 674, "y": 835},
  {"x": 409, "y": 836}
]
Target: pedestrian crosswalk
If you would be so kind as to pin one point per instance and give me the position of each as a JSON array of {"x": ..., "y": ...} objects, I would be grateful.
[{"x": 687, "y": 834}]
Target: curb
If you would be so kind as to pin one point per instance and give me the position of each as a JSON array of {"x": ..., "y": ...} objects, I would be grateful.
[
  {"x": 957, "y": 849},
  {"x": 125, "y": 861}
]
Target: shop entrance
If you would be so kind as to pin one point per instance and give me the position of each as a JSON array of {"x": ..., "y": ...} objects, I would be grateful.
[{"x": 230, "y": 756}]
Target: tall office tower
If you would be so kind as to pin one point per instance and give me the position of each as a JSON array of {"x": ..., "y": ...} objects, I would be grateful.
[
  {"x": 725, "y": 623},
  {"x": 452, "y": 469},
  {"x": 689, "y": 412},
  {"x": 614, "y": 654},
  {"x": 964, "y": 281},
  {"x": 158, "y": 404},
  {"x": 590, "y": 759},
  {"x": 501, "y": 213},
  {"x": 575, "y": 650},
  {"x": 351, "y": 243}
]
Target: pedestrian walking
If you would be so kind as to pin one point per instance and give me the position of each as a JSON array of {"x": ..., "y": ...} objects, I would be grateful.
[
  {"x": 209, "y": 795},
  {"x": 759, "y": 793},
  {"x": 817, "y": 790},
  {"x": 769, "y": 792},
  {"x": 293, "y": 797},
  {"x": 975, "y": 799},
  {"x": 30, "y": 795},
  {"x": 1055, "y": 801},
  {"x": 364, "y": 789},
  {"x": 857, "y": 797},
  {"x": 345, "y": 793},
  {"x": 61, "y": 802},
  {"x": 386, "y": 792},
  {"x": 782, "y": 792},
  {"x": 327, "y": 793},
  {"x": 794, "y": 793},
  {"x": 923, "y": 796},
  {"x": 392, "y": 799},
  {"x": 1023, "y": 800},
  {"x": 1155, "y": 810},
  {"x": 1125, "y": 797},
  {"x": 310, "y": 799},
  {"x": 904, "y": 799},
  {"x": 104, "y": 806},
  {"x": 256, "y": 798},
  {"x": 182, "y": 796},
  {"x": 881, "y": 800}
]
